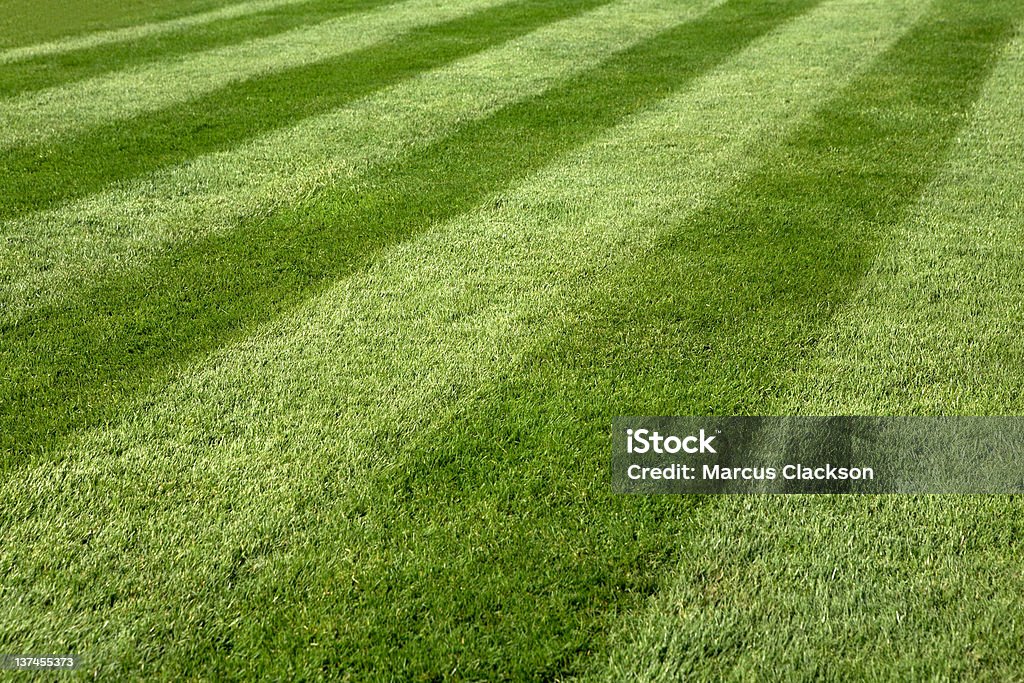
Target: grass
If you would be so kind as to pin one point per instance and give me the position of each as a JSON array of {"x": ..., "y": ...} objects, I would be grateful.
[
  {"x": 45, "y": 69},
  {"x": 53, "y": 250},
  {"x": 899, "y": 578},
  {"x": 878, "y": 588},
  {"x": 49, "y": 115},
  {"x": 27, "y": 23},
  {"x": 37, "y": 176},
  {"x": 366, "y": 435},
  {"x": 226, "y": 281}
]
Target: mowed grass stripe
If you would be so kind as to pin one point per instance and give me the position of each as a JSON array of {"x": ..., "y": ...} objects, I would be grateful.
[
  {"x": 48, "y": 255},
  {"x": 52, "y": 69},
  {"x": 434, "y": 324},
  {"x": 130, "y": 34},
  {"x": 38, "y": 176},
  {"x": 53, "y": 114},
  {"x": 107, "y": 345}
]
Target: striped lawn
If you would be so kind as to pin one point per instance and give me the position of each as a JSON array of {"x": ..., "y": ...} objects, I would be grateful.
[
  {"x": 117, "y": 335},
  {"x": 40, "y": 118},
  {"x": 134, "y": 34},
  {"x": 247, "y": 108},
  {"x": 365, "y": 431},
  {"x": 890, "y": 580},
  {"x": 49, "y": 65},
  {"x": 52, "y": 250},
  {"x": 47, "y": 25}
]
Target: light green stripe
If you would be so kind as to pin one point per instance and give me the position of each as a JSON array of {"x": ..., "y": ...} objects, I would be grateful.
[
  {"x": 129, "y": 33},
  {"x": 47, "y": 254},
  {"x": 40, "y": 116},
  {"x": 445, "y": 314}
]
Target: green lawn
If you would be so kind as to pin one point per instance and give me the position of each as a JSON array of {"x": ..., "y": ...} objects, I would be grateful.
[{"x": 314, "y": 317}]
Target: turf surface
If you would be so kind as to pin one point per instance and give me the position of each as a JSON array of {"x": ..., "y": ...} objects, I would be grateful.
[
  {"x": 67, "y": 62},
  {"x": 321, "y": 381}
]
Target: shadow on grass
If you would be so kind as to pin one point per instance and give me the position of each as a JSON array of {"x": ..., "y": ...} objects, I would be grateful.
[{"x": 72, "y": 366}]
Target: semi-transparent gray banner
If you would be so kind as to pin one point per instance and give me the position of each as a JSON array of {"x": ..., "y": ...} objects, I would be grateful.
[{"x": 818, "y": 454}]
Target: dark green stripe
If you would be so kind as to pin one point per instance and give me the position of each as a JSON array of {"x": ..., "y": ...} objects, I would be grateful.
[
  {"x": 513, "y": 499},
  {"x": 72, "y": 366},
  {"x": 48, "y": 71},
  {"x": 38, "y": 176}
]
